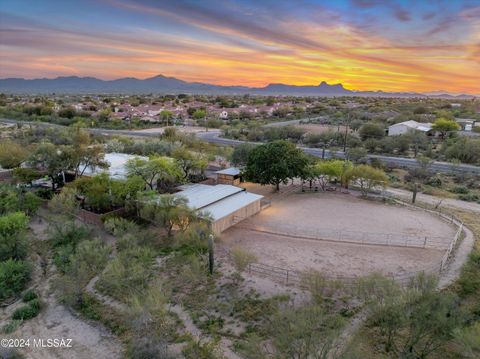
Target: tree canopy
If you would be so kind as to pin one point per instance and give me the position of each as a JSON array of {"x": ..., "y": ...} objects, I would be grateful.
[
  {"x": 153, "y": 170},
  {"x": 444, "y": 126},
  {"x": 275, "y": 162}
]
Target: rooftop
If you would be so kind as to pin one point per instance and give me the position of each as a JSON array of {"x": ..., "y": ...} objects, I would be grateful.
[
  {"x": 201, "y": 195},
  {"x": 117, "y": 163},
  {"x": 231, "y": 171},
  {"x": 218, "y": 201}
]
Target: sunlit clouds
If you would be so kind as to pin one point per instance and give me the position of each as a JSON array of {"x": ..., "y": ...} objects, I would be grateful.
[{"x": 366, "y": 45}]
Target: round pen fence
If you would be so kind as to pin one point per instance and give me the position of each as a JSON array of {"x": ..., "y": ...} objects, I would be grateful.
[
  {"x": 298, "y": 278},
  {"x": 355, "y": 237}
]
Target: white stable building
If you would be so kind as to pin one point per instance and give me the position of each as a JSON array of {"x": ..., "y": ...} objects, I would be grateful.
[
  {"x": 408, "y": 126},
  {"x": 226, "y": 205}
]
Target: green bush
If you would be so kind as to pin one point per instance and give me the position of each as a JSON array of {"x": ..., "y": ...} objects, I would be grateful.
[
  {"x": 10, "y": 328},
  {"x": 28, "y": 311},
  {"x": 469, "y": 280},
  {"x": 242, "y": 258},
  {"x": 29, "y": 295},
  {"x": 434, "y": 182},
  {"x": 469, "y": 197},
  {"x": 459, "y": 190},
  {"x": 7, "y": 353},
  {"x": 14, "y": 275},
  {"x": 69, "y": 233},
  {"x": 44, "y": 193},
  {"x": 119, "y": 226},
  {"x": 62, "y": 255}
]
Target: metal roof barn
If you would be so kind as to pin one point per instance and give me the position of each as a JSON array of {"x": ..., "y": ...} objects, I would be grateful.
[{"x": 227, "y": 205}]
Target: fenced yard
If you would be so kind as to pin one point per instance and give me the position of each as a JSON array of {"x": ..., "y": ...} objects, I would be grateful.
[{"x": 373, "y": 237}]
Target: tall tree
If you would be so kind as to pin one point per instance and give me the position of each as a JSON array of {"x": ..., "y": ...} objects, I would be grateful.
[
  {"x": 368, "y": 177},
  {"x": 276, "y": 162},
  {"x": 190, "y": 162},
  {"x": 154, "y": 170},
  {"x": 52, "y": 159},
  {"x": 444, "y": 126}
]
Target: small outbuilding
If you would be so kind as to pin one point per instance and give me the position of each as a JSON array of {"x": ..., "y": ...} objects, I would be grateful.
[
  {"x": 226, "y": 205},
  {"x": 229, "y": 176}
]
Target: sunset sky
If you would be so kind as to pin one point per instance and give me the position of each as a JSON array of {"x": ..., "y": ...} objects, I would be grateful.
[{"x": 365, "y": 44}]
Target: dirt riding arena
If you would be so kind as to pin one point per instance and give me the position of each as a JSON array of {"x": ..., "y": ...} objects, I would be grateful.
[{"x": 342, "y": 235}]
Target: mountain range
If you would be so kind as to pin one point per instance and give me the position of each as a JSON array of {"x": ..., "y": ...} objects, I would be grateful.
[{"x": 164, "y": 84}]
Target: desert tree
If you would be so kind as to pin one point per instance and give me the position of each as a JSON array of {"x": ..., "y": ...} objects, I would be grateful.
[{"x": 275, "y": 162}]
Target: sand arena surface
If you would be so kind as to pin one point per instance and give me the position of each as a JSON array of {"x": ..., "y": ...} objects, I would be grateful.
[{"x": 274, "y": 235}]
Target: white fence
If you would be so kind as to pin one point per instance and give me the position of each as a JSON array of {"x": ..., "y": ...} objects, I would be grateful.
[{"x": 356, "y": 237}]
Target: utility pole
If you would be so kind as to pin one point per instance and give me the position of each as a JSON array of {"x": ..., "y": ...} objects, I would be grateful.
[{"x": 346, "y": 133}]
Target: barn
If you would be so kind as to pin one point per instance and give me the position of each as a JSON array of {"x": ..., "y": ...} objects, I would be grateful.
[{"x": 227, "y": 205}]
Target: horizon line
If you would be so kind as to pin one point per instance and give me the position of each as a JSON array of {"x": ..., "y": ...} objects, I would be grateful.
[{"x": 437, "y": 92}]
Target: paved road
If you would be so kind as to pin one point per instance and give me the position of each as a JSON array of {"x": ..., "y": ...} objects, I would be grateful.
[
  {"x": 436, "y": 166},
  {"x": 213, "y": 136}
]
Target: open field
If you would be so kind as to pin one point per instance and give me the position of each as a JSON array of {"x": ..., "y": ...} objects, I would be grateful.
[{"x": 288, "y": 234}]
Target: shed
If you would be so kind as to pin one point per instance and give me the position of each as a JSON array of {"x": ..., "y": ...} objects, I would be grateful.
[
  {"x": 229, "y": 176},
  {"x": 226, "y": 205}
]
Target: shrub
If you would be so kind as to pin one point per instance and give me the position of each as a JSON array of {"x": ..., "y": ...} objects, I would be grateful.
[
  {"x": 198, "y": 350},
  {"x": 434, "y": 182},
  {"x": 128, "y": 273},
  {"x": 44, "y": 193},
  {"x": 469, "y": 197},
  {"x": 68, "y": 233},
  {"x": 29, "y": 295},
  {"x": 460, "y": 190},
  {"x": 27, "y": 311},
  {"x": 7, "y": 353},
  {"x": 242, "y": 258},
  {"x": 62, "y": 256},
  {"x": 119, "y": 226},
  {"x": 14, "y": 275},
  {"x": 13, "y": 243},
  {"x": 10, "y": 328},
  {"x": 469, "y": 280}
]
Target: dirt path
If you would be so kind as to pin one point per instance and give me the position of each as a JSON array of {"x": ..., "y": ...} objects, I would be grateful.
[
  {"x": 89, "y": 340},
  {"x": 104, "y": 298},
  {"x": 460, "y": 256},
  {"x": 432, "y": 200},
  {"x": 196, "y": 333},
  {"x": 55, "y": 321}
]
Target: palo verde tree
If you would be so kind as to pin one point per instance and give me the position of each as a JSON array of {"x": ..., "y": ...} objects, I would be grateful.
[
  {"x": 444, "y": 126},
  {"x": 275, "y": 162},
  {"x": 190, "y": 163},
  {"x": 153, "y": 171},
  {"x": 368, "y": 177},
  {"x": 167, "y": 211}
]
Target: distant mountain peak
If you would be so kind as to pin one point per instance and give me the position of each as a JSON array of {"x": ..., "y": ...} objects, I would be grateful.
[{"x": 164, "y": 84}]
